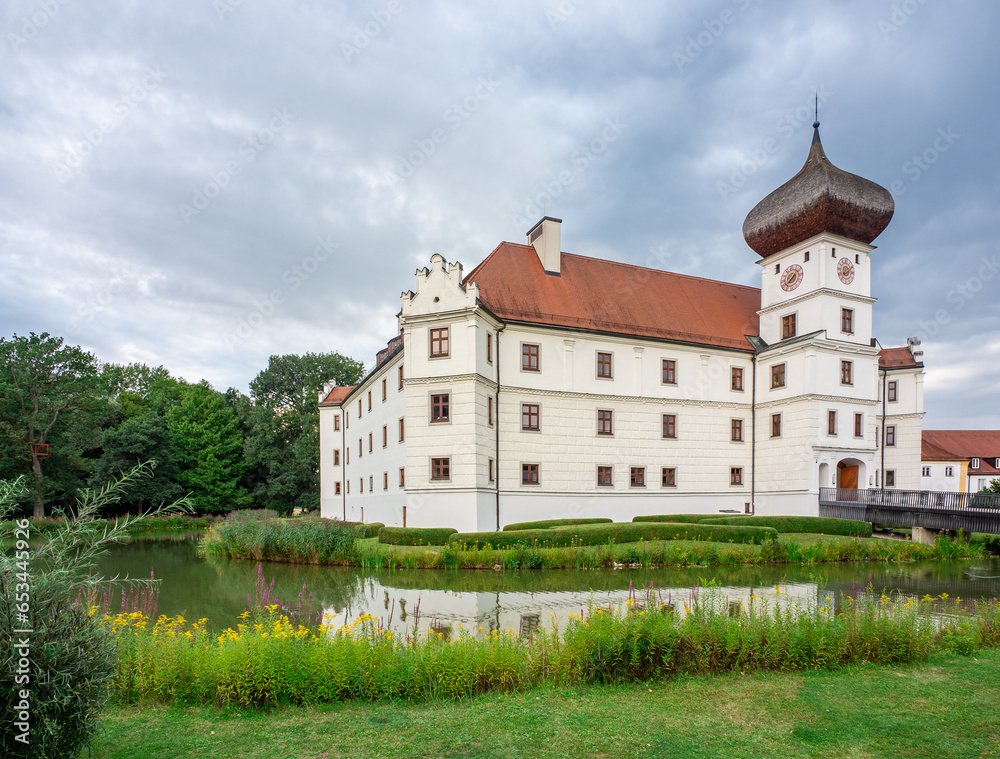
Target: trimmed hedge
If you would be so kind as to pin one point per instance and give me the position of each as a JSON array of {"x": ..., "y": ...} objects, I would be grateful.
[
  {"x": 675, "y": 518},
  {"x": 617, "y": 532},
  {"x": 817, "y": 525},
  {"x": 415, "y": 536},
  {"x": 545, "y": 524}
]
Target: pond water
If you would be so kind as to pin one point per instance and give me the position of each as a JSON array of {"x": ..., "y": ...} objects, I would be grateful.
[{"x": 220, "y": 590}]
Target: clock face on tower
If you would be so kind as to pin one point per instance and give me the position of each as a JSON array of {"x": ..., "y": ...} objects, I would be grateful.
[
  {"x": 845, "y": 270},
  {"x": 792, "y": 278}
]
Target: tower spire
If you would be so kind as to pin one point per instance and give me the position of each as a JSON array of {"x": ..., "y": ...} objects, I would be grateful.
[{"x": 816, "y": 122}]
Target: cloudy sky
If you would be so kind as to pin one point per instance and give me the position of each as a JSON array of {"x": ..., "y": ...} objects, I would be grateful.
[{"x": 204, "y": 183}]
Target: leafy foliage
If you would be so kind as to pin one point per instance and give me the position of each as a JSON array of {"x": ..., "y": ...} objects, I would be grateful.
[
  {"x": 544, "y": 524},
  {"x": 416, "y": 536},
  {"x": 618, "y": 532}
]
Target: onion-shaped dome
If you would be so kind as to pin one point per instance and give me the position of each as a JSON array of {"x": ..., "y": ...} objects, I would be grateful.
[{"x": 820, "y": 198}]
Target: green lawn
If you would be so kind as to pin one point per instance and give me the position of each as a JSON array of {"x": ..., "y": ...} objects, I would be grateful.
[{"x": 949, "y": 707}]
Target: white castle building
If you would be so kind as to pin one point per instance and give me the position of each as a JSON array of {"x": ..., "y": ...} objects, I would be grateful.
[{"x": 549, "y": 385}]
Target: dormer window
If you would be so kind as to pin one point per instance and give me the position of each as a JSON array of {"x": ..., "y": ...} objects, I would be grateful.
[{"x": 975, "y": 464}]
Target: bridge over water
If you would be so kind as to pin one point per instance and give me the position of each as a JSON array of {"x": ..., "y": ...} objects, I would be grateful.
[{"x": 971, "y": 512}]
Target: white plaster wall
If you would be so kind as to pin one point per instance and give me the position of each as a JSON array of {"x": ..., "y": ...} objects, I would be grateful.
[
  {"x": 938, "y": 480},
  {"x": 331, "y": 505}
]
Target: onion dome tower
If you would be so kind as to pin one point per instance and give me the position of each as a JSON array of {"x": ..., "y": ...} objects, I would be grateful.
[{"x": 820, "y": 198}]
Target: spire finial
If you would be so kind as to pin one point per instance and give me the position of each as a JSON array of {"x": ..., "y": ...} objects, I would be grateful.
[{"x": 816, "y": 122}]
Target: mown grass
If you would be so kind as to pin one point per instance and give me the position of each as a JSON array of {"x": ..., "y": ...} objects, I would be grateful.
[{"x": 913, "y": 711}]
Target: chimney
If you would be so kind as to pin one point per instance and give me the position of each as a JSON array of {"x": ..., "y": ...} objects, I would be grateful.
[
  {"x": 544, "y": 238},
  {"x": 913, "y": 343}
]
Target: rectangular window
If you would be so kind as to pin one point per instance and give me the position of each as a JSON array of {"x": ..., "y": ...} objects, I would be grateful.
[
  {"x": 846, "y": 372},
  {"x": 974, "y": 464},
  {"x": 347, "y": 420},
  {"x": 669, "y": 371},
  {"x": 491, "y": 470},
  {"x": 949, "y": 471},
  {"x": 775, "y": 425},
  {"x": 737, "y": 431},
  {"x": 385, "y": 480},
  {"x": 529, "y": 357},
  {"x": 787, "y": 326},
  {"x": 670, "y": 425},
  {"x": 401, "y": 430},
  {"x": 359, "y": 408},
  {"x": 489, "y": 410},
  {"x": 604, "y": 365},
  {"x": 604, "y": 476},
  {"x": 369, "y": 400},
  {"x": 847, "y": 321},
  {"x": 402, "y": 477},
  {"x": 384, "y": 389},
  {"x": 371, "y": 483},
  {"x": 529, "y": 416},
  {"x": 859, "y": 425},
  {"x": 890, "y": 478},
  {"x": 440, "y": 408},
  {"x": 361, "y": 483},
  {"x": 737, "y": 378},
  {"x": 637, "y": 478},
  {"x": 489, "y": 348},
  {"x": 831, "y": 422},
  {"x": 604, "y": 422},
  {"x": 890, "y": 435},
  {"x": 439, "y": 342},
  {"x": 736, "y": 475},
  {"x": 925, "y": 472},
  {"x": 336, "y": 457},
  {"x": 361, "y": 449},
  {"x": 336, "y": 488},
  {"x": 890, "y": 391},
  {"x": 369, "y": 442},
  {"x": 668, "y": 477},
  {"x": 778, "y": 375},
  {"x": 440, "y": 469},
  {"x": 348, "y": 487},
  {"x": 529, "y": 474},
  {"x": 347, "y": 457},
  {"x": 385, "y": 435},
  {"x": 336, "y": 424},
  {"x": 400, "y": 377}
]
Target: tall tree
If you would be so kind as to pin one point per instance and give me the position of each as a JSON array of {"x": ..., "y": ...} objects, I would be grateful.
[
  {"x": 209, "y": 448},
  {"x": 138, "y": 439},
  {"x": 283, "y": 438},
  {"x": 48, "y": 391}
]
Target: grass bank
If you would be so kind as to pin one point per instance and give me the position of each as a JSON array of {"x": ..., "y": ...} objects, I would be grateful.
[{"x": 914, "y": 711}]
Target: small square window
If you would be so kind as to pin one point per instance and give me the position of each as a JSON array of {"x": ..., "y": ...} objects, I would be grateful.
[
  {"x": 439, "y": 342},
  {"x": 890, "y": 391},
  {"x": 736, "y": 433},
  {"x": 604, "y": 365},
  {"x": 736, "y": 379},
  {"x": 637, "y": 478},
  {"x": 440, "y": 469},
  {"x": 778, "y": 375},
  {"x": 974, "y": 464},
  {"x": 670, "y": 425},
  {"x": 787, "y": 326},
  {"x": 604, "y": 422},
  {"x": 440, "y": 408},
  {"x": 925, "y": 472},
  {"x": 736, "y": 475},
  {"x": 890, "y": 435},
  {"x": 775, "y": 425},
  {"x": 529, "y": 474},
  {"x": 847, "y": 320},
  {"x": 668, "y": 477},
  {"x": 529, "y": 416},
  {"x": 669, "y": 371},
  {"x": 604, "y": 476},
  {"x": 846, "y": 372},
  {"x": 529, "y": 357},
  {"x": 949, "y": 471},
  {"x": 890, "y": 478}
]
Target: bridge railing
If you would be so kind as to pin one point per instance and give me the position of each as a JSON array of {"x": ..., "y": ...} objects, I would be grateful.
[{"x": 983, "y": 503}]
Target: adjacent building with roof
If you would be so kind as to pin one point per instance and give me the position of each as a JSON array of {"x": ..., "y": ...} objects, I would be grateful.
[
  {"x": 959, "y": 461},
  {"x": 543, "y": 384}
]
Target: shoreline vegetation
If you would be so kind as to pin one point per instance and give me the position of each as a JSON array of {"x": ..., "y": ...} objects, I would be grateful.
[{"x": 648, "y": 542}]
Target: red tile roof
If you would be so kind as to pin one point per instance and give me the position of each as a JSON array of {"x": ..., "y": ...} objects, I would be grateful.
[
  {"x": 336, "y": 396},
  {"x": 896, "y": 358},
  {"x": 606, "y": 296},
  {"x": 961, "y": 444}
]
